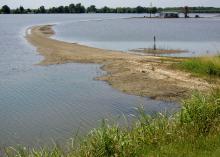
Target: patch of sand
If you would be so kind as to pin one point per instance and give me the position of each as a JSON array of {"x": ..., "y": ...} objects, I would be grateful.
[{"x": 130, "y": 73}]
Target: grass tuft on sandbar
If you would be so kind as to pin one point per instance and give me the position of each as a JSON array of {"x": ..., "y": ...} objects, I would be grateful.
[{"x": 201, "y": 66}]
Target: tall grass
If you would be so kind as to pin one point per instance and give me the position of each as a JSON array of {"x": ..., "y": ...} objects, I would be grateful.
[
  {"x": 205, "y": 66},
  {"x": 193, "y": 131}
]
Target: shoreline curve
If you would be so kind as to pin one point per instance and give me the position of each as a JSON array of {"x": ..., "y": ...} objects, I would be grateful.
[{"x": 133, "y": 74}]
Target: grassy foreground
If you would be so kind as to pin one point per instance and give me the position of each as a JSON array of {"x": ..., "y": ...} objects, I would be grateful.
[
  {"x": 194, "y": 131},
  {"x": 201, "y": 66}
]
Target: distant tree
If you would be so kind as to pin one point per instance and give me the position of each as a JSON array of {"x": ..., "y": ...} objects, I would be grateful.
[
  {"x": 66, "y": 9},
  {"x": 186, "y": 11},
  {"x": 79, "y": 8},
  {"x": 72, "y": 8},
  {"x": 52, "y": 10},
  {"x": 21, "y": 9},
  {"x": 42, "y": 9},
  {"x": 82, "y": 9},
  {"x": 105, "y": 9},
  {"x": 119, "y": 10},
  {"x": 159, "y": 9},
  {"x": 60, "y": 9},
  {"x": 92, "y": 9},
  {"x": 6, "y": 10},
  {"x": 128, "y": 10},
  {"x": 29, "y": 11},
  {"x": 154, "y": 10},
  {"x": 16, "y": 11},
  {"x": 140, "y": 9}
]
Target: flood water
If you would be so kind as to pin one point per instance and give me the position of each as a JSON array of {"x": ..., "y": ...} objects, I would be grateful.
[
  {"x": 40, "y": 103},
  {"x": 198, "y": 36}
]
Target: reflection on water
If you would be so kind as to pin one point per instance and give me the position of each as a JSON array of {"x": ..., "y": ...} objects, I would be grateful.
[{"x": 39, "y": 103}]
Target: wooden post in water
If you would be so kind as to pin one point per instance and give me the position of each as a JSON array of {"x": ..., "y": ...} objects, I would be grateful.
[{"x": 155, "y": 47}]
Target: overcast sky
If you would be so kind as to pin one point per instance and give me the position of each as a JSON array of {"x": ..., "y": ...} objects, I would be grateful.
[{"x": 111, "y": 3}]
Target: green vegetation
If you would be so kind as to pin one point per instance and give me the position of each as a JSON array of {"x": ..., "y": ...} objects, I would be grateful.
[
  {"x": 5, "y": 10},
  {"x": 202, "y": 66},
  {"x": 193, "y": 131},
  {"x": 79, "y": 8}
]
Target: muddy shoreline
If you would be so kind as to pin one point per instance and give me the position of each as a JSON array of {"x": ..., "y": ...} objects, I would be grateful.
[{"x": 130, "y": 73}]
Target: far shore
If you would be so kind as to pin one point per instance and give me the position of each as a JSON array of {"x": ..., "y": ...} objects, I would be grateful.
[{"x": 134, "y": 74}]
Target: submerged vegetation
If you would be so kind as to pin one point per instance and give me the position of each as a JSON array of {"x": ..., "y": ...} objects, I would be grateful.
[
  {"x": 193, "y": 131},
  {"x": 202, "y": 66}
]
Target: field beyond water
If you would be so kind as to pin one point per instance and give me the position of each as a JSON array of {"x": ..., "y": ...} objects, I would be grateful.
[{"x": 193, "y": 131}]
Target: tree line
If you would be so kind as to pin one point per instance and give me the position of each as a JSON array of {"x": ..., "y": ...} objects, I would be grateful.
[
  {"x": 76, "y": 8},
  {"x": 79, "y": 8}
]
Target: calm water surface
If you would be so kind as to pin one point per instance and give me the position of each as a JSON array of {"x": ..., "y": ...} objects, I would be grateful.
[
  {"x": 198, "y": 36},
  {"x": 38, "y": 103}
]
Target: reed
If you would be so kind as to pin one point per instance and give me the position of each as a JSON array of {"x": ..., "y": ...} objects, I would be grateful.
[
  {"x": 192, "y": 131},
  {"x": 202, "y": 66}
]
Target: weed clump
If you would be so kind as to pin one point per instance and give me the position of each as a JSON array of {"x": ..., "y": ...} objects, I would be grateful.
[{"x": 204, "y": 66}]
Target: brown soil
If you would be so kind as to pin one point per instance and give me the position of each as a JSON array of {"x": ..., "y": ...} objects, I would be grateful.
[{"x": 131, "y": 73}]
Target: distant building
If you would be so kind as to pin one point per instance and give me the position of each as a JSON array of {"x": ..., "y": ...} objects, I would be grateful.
[{"x": 169, "y": 15}]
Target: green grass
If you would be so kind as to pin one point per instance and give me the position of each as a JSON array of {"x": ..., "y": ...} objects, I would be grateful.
[
  {"x": 194, "y": 131},
  {"x": 201, "y": 66}
]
